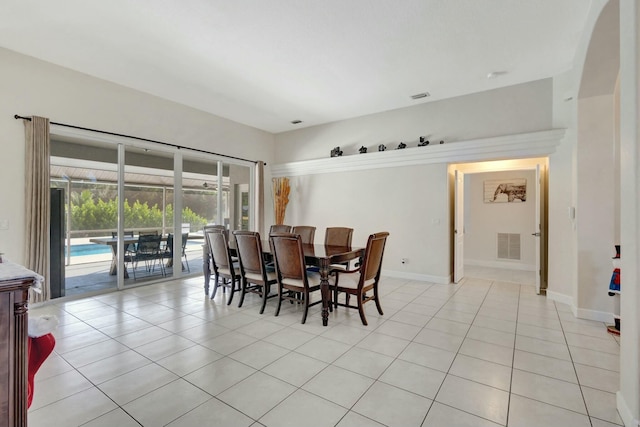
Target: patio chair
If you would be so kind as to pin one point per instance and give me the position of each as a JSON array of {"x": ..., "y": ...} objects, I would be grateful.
[
  {"x": 168, "y": 249},
  {"x": 148, "y": 251}
]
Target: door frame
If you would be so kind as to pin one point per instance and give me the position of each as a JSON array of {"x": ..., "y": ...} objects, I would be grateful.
[{"x": 500, "y": 166}]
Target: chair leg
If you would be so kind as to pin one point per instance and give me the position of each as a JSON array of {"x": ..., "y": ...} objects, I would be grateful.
[
  {"x": 377, "y": 300},
  {"x": 233, "y": 289},
  {"x": 306, "y": 306},
  {"x": 279, "y": 300},
  {"x": 215, "y": 286},
  {"x": 265, "y": 294},
  {"x": 243, "y": 291},
  {"x": 361, "y": 310}
]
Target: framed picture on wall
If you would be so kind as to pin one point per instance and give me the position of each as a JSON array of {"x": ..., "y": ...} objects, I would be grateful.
[{"x": 505, "y": 190}]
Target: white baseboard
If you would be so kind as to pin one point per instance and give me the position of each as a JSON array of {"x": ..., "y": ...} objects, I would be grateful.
[
  {"x": 580, "y": 313},
  {"x": 441, "y": 280},
  {"x": 509, "y": 265},
  {"x": 625, "y": 412},
  {"x": 561, "y": 298}
]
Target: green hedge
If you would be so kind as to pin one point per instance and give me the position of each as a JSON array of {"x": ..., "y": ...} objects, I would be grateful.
[{"x": 87, "y": 213}]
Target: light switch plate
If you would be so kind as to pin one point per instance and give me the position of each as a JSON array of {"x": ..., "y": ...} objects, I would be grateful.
[{"x": 4, "y": 224}]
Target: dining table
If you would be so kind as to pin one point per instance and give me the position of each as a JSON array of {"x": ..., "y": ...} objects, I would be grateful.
[{"x": 317, "y": 255}]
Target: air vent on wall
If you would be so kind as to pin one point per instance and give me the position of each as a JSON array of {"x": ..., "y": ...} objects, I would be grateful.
[{"x": 509, "y": 246}]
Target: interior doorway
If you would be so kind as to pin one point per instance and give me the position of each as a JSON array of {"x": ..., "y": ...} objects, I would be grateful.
[{"x": 500, "y": 221}]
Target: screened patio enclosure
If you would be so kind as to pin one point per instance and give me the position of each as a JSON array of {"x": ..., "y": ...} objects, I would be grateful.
[{"x": 171, "y": 194}]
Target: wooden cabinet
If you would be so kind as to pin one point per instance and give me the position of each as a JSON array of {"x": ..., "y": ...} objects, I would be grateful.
[{"x": 14, "y": 294}]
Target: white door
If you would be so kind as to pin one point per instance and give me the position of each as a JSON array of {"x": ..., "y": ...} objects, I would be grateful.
[
  {"x": 458, "y": 228},
  {"x": 538, "y": 230}
]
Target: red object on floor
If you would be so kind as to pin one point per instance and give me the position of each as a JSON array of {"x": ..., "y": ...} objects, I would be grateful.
[{"x": 38, "y": 349}]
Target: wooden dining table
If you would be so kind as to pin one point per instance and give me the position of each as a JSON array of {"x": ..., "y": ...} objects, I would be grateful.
[{"x": 321, "y": 256}]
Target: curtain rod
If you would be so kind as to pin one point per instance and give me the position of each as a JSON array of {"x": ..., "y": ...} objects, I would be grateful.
[{"x": 179, "y": 147}]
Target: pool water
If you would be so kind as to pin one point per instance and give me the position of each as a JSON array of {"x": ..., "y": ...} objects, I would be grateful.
[
  {"x": 95, "y": 249},
  {"x": 88, "y": 249}
]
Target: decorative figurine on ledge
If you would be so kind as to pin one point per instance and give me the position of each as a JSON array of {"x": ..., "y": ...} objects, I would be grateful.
[
  {"x": 381, "y": 147},
  {"x": 336, "y": 152},
  {"x": 423, "y": 141},
  {"x": 401, "y": 146},
  {"x": 363, "y": 149}
]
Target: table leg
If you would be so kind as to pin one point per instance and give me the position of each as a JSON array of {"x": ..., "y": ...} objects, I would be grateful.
[
  {"x": 324, "y": 290},
  {"x": 206, "y": 268}
]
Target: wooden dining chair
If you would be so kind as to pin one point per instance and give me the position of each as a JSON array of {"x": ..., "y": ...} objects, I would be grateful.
[
  {"x": 255, "y": 276},
  {"x": 280, "y": 228},
  {"x": 224, "y": 272},
  {"x": 295, "y": 283},
  {"x": 306, "y": 232},
  {"x": 338, "y": 236},
  {"x": 364, "y": 279}
]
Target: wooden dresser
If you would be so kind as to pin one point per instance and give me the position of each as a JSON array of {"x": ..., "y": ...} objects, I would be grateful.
[{"x": 14, "y": 296}]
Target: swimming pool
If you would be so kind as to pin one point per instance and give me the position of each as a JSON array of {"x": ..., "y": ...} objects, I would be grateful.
[
  {"x": 88, "y": 249},
  {"x": 95, "y": 249}
]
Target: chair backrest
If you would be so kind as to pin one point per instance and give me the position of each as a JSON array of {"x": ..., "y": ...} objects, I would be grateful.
[
  {"x": 219, "y": 249},
  {"x": 280, "y": 228},
  {"x": 148, "y": 244},
  {"x": 306, "y": 233},
  {"x": 249, "y": 248},
  {"x": 372, "y": 260},
  {"x": 338, "y": 236},
  {"x": 287, "y": 251},
  {"x": 212, "y": 227}
]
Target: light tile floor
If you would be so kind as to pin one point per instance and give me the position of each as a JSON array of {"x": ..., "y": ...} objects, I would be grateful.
[{"x": 480, "y": 353}]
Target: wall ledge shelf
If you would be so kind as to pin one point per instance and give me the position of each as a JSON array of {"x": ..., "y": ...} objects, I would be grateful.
[{"x": 524, "y": 145}]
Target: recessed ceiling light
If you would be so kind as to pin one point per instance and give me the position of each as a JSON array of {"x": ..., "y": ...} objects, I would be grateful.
[
  {"x": 420, "y": 95},
  {"x": 494, "y": 74},
  {"x": 296, "y": 122}
]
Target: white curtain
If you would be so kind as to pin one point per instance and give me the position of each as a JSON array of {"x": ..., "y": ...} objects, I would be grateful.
[
  {"x": 259, "y": 199},
  {"x": 37, "y": 202}
]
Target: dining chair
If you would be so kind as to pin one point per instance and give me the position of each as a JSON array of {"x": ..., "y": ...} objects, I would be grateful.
[
  {"x": 295, "y": 283},
  {"x": 280, "y": 228},
  {"x": 147, "y": 251},
  {"x": 364, "y": 279},
  {"x": 306, "y": 233},
  {"x": 256, "y": 277},
  {"x": 338, "y": 236},
  {"x": 225, "y": 273}
]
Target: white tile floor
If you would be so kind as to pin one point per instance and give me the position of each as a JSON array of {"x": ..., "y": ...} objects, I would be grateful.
[{"x": 481, "y": 353}]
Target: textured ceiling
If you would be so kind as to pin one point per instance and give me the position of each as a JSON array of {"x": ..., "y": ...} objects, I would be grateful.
[{"x": 265, "y": 63}]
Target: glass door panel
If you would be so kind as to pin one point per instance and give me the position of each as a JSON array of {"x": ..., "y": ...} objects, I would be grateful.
[
  {"x": 86, "y": 176},
  {"x": 148, "y": 214}
]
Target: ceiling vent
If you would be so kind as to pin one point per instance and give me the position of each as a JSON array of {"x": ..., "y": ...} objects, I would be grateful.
[
  {"x": 420, "y": 95},
  {"x": 296, "y": 122}
]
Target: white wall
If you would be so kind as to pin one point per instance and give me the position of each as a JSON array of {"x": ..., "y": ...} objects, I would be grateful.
[
  {"x": 511, "y": 110},
  {"x": 484, "y": 220},
  {"x": 32, "y": 87},
  {"x": 413, "y": 202}
]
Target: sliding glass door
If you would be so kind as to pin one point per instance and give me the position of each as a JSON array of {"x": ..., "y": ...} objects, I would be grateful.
[{"x": 113, "y": 193}]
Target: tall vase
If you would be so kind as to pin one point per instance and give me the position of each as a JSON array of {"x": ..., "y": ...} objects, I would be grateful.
[{"x": 280, "y": 198}]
